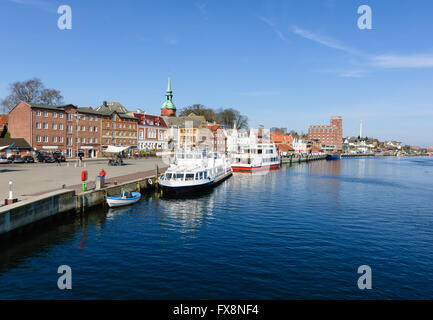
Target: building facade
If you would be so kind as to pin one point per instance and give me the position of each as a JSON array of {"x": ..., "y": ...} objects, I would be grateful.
[
  {"x": 67, "y": 128},
  {"x": 119, "y": 127},
  {"x": 331, "y": 134},
  {"x": 152, "y": 132}
]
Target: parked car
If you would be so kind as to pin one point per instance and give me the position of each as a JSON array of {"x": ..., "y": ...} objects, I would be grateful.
[
  {"x": 47, "y": 159},
  {"x": 17, "y": 159},
  {"x": 58, "y": 154},
  {"x": 4, "y": 160},
  {"x": 28, "y": 159}
]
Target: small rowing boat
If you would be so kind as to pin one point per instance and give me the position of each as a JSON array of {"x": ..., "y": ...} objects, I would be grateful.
[{"x": 123, "y": 199}]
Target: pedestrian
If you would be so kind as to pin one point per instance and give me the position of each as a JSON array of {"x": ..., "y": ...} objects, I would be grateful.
[
  {"x": 102, "y": 173},
  {"x": 81, "y": 159},
  {"x": 58, "y": 161}
]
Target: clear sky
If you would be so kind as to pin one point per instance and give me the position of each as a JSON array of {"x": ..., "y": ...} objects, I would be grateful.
[{"x": 283, "y": 63}]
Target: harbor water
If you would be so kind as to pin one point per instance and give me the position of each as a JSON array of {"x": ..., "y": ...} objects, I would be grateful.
[{"x": 294, "y": 233}]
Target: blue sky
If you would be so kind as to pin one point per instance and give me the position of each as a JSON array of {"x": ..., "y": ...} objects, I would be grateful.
[{"x": 283, "y": 63}]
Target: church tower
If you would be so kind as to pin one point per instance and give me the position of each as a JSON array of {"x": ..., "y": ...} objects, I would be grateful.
[{"x": 168, "y": 108}]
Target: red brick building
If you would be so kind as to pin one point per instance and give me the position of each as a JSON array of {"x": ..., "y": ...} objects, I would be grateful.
[
  {"x": 66, "y": 128},
  {"x": 331, "y": 134}
]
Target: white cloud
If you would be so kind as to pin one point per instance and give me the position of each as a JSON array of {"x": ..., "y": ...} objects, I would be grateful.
[
  {"x": 400, "y": 61},
  {"x": 326, "y": 41},
  {"x": 353, "y": 74},
  {"x": 274, "y": 28}
]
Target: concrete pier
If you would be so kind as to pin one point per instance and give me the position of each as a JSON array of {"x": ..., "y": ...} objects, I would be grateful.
[
  {"x": 39, "y": 207},
  {"x": 296, "y": 159}
]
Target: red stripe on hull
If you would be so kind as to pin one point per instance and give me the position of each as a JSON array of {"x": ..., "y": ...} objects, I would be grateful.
[{"x": 250, "y": 169}]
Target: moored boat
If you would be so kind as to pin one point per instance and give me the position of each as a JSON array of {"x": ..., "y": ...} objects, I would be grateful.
[
  {"x": 333, "y": 156},
  {"x": 124, "y": 199},
  {"x": 256, "y": 157},
  {"x": 194, "y": 171}
]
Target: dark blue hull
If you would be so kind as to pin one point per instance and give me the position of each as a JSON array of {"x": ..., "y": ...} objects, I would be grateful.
[{"x": 332, "y": 157}]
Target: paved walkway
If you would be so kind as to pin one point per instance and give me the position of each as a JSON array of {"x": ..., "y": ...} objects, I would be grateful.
[{"x": 34, "y": 179}]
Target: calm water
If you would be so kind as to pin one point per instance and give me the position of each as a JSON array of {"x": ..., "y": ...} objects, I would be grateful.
[{"x": 299, "y": 232}]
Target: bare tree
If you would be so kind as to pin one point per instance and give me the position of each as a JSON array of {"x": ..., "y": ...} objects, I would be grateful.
[{"x": 31, "y": 91}]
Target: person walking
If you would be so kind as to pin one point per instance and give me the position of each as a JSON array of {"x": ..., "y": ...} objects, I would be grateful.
[{"x": 58, "y": 161}]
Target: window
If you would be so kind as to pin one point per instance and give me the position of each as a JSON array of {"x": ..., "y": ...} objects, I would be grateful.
[
  {"x": 38, "y": 113},
  {"x": 108, "y": 125},
  {"x": 107, "y": 141},
  {"x": 83, "y": 117},
  {"x": 90, "y": 118},
  {"x": 69, "y": 141},
  {"x": 90, "y": 129},
  {"x": 69, "y": 129},
  {"x": 46, "y": 114},
  {"x": 69, "y": 117},
  {"x": 96, "y": 140},
  {"x": 83, "y": 140},
  {"x": 61, "y": 115},
  {"x": 60, "y": 126},
  {"x": 96, "y": 129},
  {"x": 83, "y": 128},
  {"x": 54, "y": 114},
  {"x": 77, "y": 128},
  {"x": 45, "y": 125},
  {"x": 69, "y": 153},
  {"x": 54, "y": 126},
  {"x": 45, "y": 138},
  {"x": 38, "y": 139},
  {"x": 54, "y": 139},
  {"x": 61, "y": 139},
  {"x": 90, "y": 140},
  {"x": 38, "y": 125}
]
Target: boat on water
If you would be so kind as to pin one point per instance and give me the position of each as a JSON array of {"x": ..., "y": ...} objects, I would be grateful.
[
  {"x": 333, "y": 156},
  {"x": 255, "y": 157},
  {"x": 195, "y": 171},
  {"x": 123, "y": 199}
]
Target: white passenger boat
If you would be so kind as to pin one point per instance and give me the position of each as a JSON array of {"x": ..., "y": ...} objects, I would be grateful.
[
  {"x": 254, "y": 157},
  {"x": 195, "y": 170},
  {"x": 123, "y": 199}
]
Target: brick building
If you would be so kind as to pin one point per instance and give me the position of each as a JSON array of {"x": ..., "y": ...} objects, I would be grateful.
[
  {"x": 331, "y": 134},
  {"x": 152, "y": 132},
  {"x": 119, "y": 127},
  {"x": 66, "y": 128}
]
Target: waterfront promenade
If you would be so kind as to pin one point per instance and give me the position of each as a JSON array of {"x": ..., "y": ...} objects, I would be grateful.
[{"x": 30, "y": 180}]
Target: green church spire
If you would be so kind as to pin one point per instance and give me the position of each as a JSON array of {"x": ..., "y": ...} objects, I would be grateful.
[{"x": 168, "y": 104}]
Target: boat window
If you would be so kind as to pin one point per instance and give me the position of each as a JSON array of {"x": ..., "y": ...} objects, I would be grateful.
[
  {"x": 179, "y": 176},
  {"x": 201, "y": 175},
  {"x": 189, "y": 156},
  {"x": 168, "y": 175},
  {"x": 205, "y": 174},
  {"x": 189, "y": 176}
]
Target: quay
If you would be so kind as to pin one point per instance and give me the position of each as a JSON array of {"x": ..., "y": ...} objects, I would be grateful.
[
  {"x": 297, "y": 159},
  {"x": 357, "y": 155},
  {"x": 39, "y": 206}
]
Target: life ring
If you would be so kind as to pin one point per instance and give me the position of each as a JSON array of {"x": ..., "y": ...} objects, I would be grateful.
[{"x": 150, "y": 181}]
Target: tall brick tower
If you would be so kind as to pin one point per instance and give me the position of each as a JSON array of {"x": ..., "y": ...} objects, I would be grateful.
[
  {"x": 337, "y": 123},
  {"x": 168, "y": 108}
]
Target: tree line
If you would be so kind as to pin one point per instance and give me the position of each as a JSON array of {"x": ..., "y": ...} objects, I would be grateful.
[{"x": 229, "y": 117}]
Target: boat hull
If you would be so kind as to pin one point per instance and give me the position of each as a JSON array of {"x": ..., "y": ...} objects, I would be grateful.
[
  {"x": 118, "y": 201},
  {"x": 194, "y": 188},
  {"x": 254, "y": 169},
  {"x": 332, "y": 157}
]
